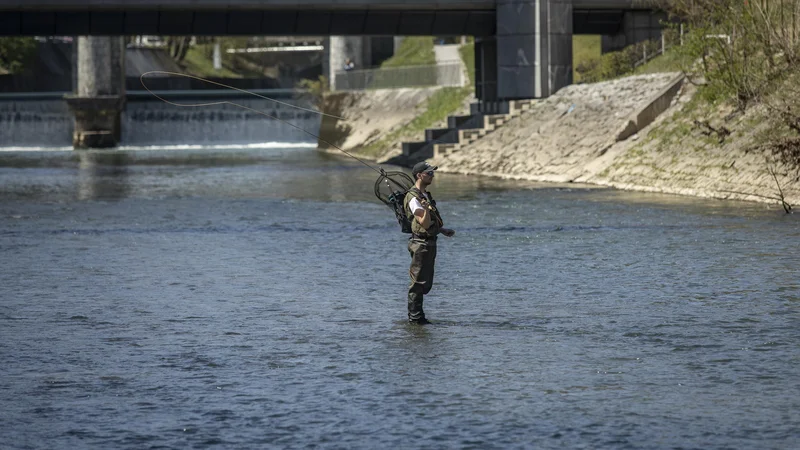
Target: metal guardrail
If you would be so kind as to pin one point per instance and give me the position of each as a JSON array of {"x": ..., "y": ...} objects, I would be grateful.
[
  {"x": 447, "y": 74},
  {"x": 655, "y": 49}
]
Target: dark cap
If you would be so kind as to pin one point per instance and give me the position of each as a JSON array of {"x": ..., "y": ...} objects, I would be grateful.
[{"x": 422, "y": 167}]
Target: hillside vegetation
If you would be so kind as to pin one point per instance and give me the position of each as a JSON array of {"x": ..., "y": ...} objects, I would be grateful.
[
  {"x": 736, "y": 130},
  {"x": 746, "y": 56},
  {"x": 413, "y": 51},
  {"x": 16, "y": 53},
  {"x": 742, "y": 60}
]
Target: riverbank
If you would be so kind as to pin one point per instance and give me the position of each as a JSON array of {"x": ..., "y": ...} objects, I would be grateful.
[
  {"x": 375, "y": 123},
  {"x": 578, "y": 135}
]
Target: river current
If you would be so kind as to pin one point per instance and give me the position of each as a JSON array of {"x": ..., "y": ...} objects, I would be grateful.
[{"x": 254, "y": 298}]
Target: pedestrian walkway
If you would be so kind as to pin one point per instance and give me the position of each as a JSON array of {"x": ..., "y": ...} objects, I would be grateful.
[{"x": 448, "y": 55}]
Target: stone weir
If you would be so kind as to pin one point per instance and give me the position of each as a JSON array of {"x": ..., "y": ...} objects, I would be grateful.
[{"x": 46, "y": 121}]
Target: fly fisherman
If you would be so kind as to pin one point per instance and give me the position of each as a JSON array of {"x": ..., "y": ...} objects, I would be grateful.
[{"x": 426, "y": 224}]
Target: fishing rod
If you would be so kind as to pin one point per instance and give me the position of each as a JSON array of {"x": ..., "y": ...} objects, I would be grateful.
[{"x": 394, "y": 199}]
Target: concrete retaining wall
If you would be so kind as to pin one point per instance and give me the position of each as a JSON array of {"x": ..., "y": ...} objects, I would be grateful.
[{"x": 646, "y": 115}]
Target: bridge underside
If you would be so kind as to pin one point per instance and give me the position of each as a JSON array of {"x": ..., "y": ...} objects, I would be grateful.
[
  {"x": 281, "y": 23},
  {"x": 523, "y": 48}
]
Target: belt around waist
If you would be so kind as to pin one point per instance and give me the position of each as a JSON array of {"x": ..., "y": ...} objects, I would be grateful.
[{"x": 423, "y": 238}]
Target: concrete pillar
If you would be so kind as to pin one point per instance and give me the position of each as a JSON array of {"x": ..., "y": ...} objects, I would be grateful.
[
  {"x": 612, "y": 43},
  {"x": 217, "y": 56},
  {"x": 637, "y": 26},
  {"x": 326, "y": 61},
  {"x": 366, "y": 53},
  {"x": 486, "y": 69},
  {"x": 534, "y": 47},
  {"x": 642, "y": 26},
  {"x": 381, "y": 49},
  {"x": 100, "y": 95},
  {"x": 397, "y": 41},
  {"x": 341, "y": 48}
]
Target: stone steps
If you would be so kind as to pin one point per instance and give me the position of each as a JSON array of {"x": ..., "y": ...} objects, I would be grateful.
[{"x": 464, "y": 130}]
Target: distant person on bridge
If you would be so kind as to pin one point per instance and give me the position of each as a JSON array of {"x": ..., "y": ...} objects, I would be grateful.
[
  {"x": 426, "y": 224},
  {"x": 349, "y": 64}
]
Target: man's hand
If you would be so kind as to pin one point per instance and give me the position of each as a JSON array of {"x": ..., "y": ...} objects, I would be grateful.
[{"x": 447, "y": 232}]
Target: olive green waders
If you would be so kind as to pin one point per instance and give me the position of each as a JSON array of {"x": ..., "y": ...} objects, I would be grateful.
[{"x": 423, "y": 256}]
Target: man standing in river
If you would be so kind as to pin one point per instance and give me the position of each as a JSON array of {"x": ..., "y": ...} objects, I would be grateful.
[{"x": 426, "y": 224}]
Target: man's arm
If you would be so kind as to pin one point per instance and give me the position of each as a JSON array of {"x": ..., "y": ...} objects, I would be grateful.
[{"x": 422, "y": 215}]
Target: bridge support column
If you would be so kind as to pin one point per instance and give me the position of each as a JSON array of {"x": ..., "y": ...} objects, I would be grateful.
[
  {"x": 637, "y": 26},
  {"x": 357, "y": 49},
  {"x": 533, "y": 49},
  {"x": 99, "y": 98},
  {"x": 486, "y": 69}
]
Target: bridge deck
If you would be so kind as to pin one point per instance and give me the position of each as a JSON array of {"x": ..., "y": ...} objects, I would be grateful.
[
  {"x": 196, "y": 5},
  {"x": 281, "y": 17},
  {"x": 372, "y": 5}
]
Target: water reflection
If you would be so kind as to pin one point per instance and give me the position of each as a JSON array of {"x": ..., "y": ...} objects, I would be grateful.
[
  {"x": 103, "y": 175},
  {"x": 298, "y": 173}
]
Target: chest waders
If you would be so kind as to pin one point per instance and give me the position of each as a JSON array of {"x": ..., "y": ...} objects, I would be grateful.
[{"x": 422, "y": 248}]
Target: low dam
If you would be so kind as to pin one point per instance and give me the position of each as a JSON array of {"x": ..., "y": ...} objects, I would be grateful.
[{"x": 30, "y": 120}]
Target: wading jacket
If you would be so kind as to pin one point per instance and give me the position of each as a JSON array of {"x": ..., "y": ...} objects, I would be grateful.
[{"x": 416, "y": 227}]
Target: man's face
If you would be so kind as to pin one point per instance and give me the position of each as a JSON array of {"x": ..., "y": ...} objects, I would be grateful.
[{"x": 427, "y": 177}]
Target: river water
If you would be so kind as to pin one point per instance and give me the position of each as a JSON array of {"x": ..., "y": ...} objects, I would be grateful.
[{"x": 255, "y": 297}]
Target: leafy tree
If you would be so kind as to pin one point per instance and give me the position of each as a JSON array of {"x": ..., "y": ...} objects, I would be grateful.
[
  {"x": 747, "y": 51},
  {"x": 738, "y": 48},
  {"x": 16, "y": 52},
  {"x": 178, "y": 46}
]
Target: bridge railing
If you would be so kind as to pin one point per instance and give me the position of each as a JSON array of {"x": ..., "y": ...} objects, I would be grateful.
[{"x": 446, "y": 74}]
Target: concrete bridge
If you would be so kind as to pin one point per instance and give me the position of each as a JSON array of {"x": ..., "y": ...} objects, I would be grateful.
[
  {"x": 316, "y": 17},
  {"x": 523, "y": 47}
]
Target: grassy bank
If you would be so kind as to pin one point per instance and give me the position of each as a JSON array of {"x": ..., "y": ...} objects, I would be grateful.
[
  {"x": 444, "y": 102},
  {"x": 199, "y": 61},
  {"x": 441, "y": 104},
  {"x": 467, "y": 52},
  {"x": 413, "y": 51},
  {"x": 670, "y": 61},
  {"x": 585, "y": 50},
  {"x": 592, "y": 66}
]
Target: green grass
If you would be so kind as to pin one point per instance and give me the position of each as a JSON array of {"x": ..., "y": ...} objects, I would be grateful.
[
  {"x": 439, "y": 105},
  {"x": 585, "y": 48},
  {"x": 413, "y": 51},
  {"x": 200, "y": 64},
  {"x": 442, "y": 103},
  {"x": 467, "y": 52},
  {"x": 601, "y": 67},
  {"x": 668, "y": 62}
]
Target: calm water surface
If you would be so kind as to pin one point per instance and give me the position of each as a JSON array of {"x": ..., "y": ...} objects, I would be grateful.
[{"x": 255, "y": 298}]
